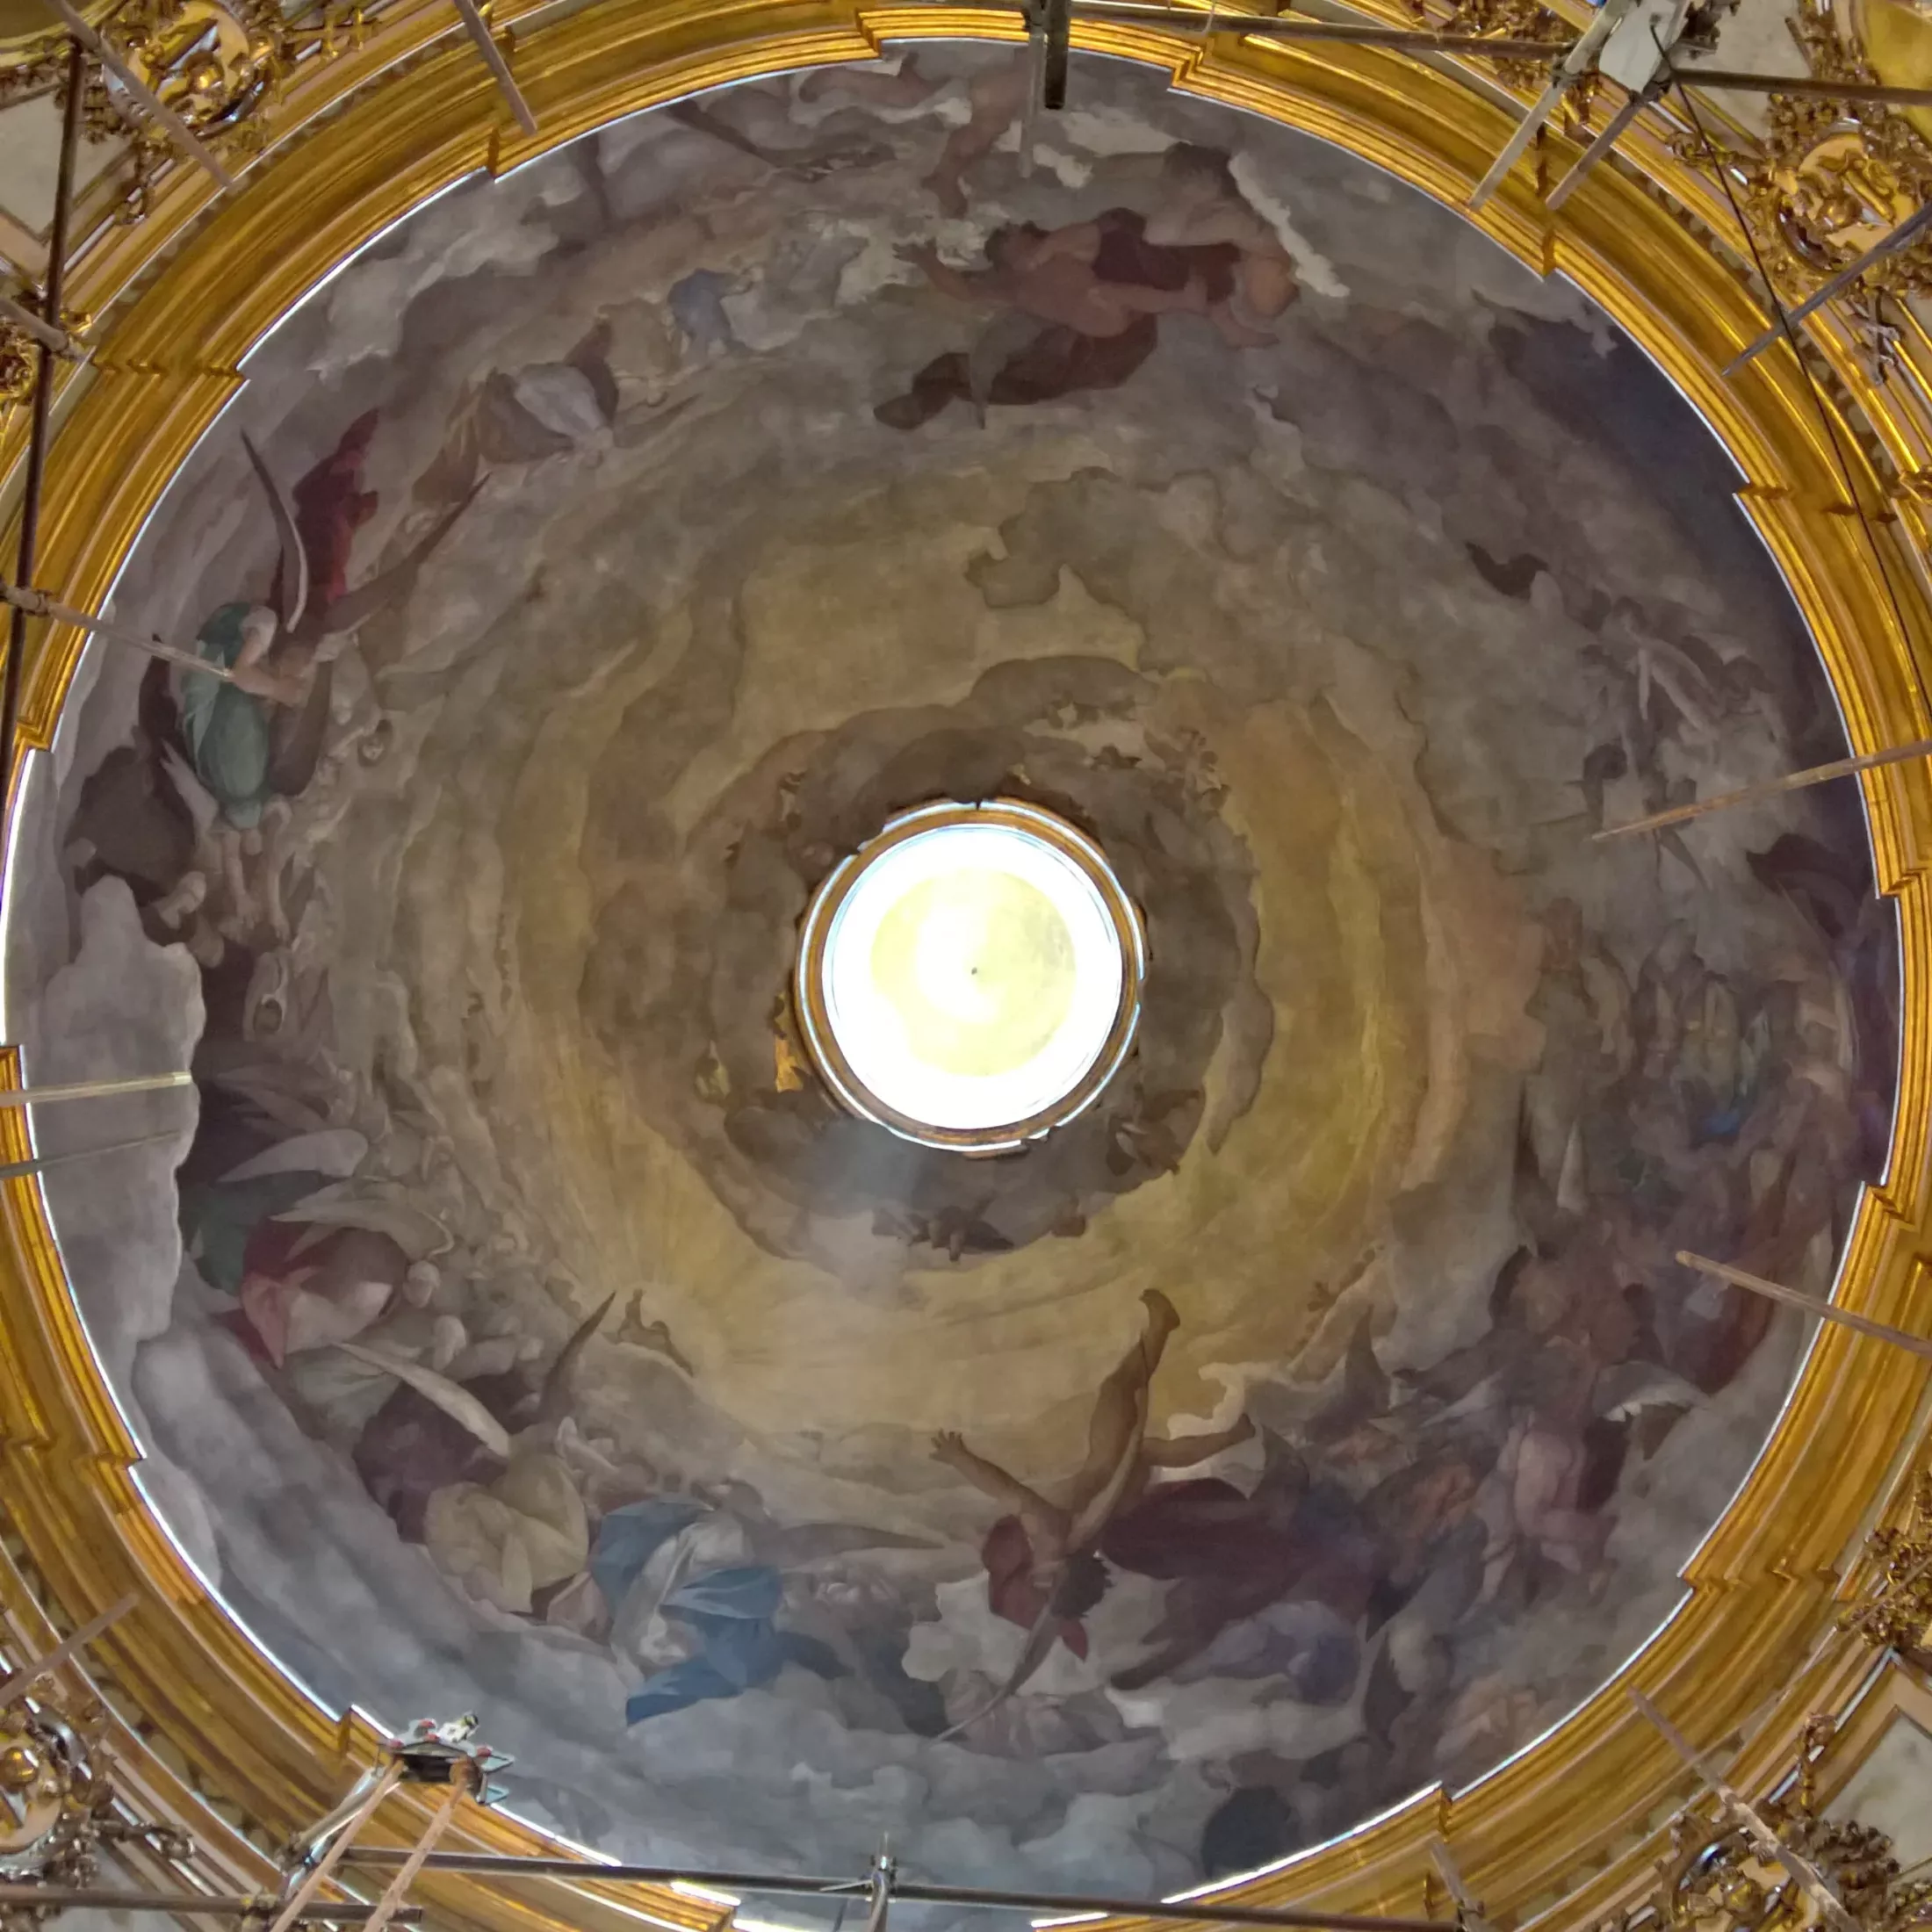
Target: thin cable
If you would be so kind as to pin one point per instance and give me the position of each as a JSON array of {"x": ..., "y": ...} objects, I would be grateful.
[{"x": 1723, "y": 174}]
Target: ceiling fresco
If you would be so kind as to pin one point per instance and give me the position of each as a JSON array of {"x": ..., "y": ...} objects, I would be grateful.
[{"x": 602, "y": 556}]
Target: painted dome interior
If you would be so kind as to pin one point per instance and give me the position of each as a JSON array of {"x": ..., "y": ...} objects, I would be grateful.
[{"x": 511, "y": 1320}]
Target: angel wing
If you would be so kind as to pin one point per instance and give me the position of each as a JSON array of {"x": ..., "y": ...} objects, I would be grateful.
[
  {"x": 292, "y": 580},
  {"x": 555, "y": 1393},
  {"x": 451, "y": 1398},
  {"x": 1033, "y": 1653},
  {"x": 357, "y": 606},
  {"x": 1632, "y": 1387},
  {"x": 380, "y": 1208}
]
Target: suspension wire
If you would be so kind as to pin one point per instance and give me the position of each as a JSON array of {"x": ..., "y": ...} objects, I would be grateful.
[{"x": 1720, "y": 169}]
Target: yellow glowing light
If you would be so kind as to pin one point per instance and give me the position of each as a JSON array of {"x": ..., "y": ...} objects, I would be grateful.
[{"x": 972, "y": 976}]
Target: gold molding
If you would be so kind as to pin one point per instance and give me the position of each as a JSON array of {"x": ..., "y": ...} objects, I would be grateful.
[{"x": 1752, "y": 1646}]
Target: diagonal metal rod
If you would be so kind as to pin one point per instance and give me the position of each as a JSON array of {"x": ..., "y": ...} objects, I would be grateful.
[
  {"x": 1907, "y": 232},
  {"x": 182, "y": 135},
  {"x": 1613, "y": 131},
  {"x": 1575, "y": 62},
  {"x": 37, "y": 603},
  {"x": 318, "y": 1875},
  {"x": 1528, "y": 128},
  {"x": 34, "y": 1669},
  {"x": 1469, "y": 1915},
  {"x": 68, "y": 348},
  {"x": 910, "y": 1890},
  {"x": 40, "y": 427},
  {"x": 1811, "y": 1877},
  {"x": 462, "y": 1779},
  {"x": 40, "y": 1163},
  {"x": 1771, "y": 788},
  {"x": 191, "y": 1905},
  {"x": 1806, "y": 84},
  {"x": 89, "y": 1090},
  {"x": 1796, "y": 1298},
  {"x": 478, "y": 30}
]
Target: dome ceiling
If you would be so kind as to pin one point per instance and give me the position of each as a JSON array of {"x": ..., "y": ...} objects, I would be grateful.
[{"x": 524, "y": 1328}]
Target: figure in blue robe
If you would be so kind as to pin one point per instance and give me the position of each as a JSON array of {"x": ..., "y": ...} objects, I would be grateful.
[{"x": 731, "y": 1612}]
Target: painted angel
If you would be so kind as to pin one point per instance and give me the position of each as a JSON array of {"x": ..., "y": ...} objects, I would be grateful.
[{"x": 257, "y": 734}]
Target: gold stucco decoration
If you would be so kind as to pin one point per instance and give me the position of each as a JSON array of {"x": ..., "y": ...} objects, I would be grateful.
[
  {"x": 1832, "y": 177},
  {"x": 1895, "y": 1610},
  {"x": 1721, "y": 1877},
  {"x": 215, "y": 63},
  {"x": 59, "y": 1809}
]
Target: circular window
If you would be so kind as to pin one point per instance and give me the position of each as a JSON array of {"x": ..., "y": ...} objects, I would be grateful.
[{"x": 971, "y": 977}]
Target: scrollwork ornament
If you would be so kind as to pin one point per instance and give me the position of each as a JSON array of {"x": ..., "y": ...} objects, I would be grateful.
[
  {"x": 1832, "y": 177},
  {"x": 1895, "y": 1611},
  {"x": 217, "y": 63},
  {"x": 1718, "y": 1876},
  {"x": 19, "y": 367},
  {"x": 1504, "y": 20},
  {"x": 58, "y": 1808}
]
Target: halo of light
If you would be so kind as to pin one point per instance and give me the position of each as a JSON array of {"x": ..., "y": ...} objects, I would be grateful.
[{"x": 971, "y": 976}]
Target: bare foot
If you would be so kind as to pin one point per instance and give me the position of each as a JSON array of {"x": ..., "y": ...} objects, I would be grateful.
[{"x": 1161, "y": 1318}]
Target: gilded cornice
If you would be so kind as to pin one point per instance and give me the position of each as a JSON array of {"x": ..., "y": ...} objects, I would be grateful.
[{"x": 1567, "y": 1827}]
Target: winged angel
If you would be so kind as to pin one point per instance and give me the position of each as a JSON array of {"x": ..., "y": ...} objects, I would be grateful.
[{"x": 257, "y": 734}]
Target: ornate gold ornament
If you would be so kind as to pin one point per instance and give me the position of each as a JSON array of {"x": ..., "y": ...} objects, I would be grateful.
[
  {"x": 1504, "y": 20},
  {"x": 1895, "y": 1611},
  {"x": 1721, "y": 1877},
  {"x": 58, "y": 1807},
  {"x": 1834, "y": 177},
  {"x": 215, "y": 63},
  {"x": 19, "y": 364},
  {"x": 1530, "y": 20}
]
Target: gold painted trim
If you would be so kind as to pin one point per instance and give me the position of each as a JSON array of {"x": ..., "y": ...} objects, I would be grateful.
[{"x": 1752, "y": 1644}]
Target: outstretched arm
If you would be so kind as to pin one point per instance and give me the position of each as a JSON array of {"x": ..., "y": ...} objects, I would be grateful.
[{"x": 1039, "y": 1517}]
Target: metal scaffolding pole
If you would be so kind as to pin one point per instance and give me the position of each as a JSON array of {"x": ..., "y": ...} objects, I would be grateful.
[
  {"x": 1903, "y": 236},
  {"x": 245, "y": 1905},
  {"x": 906, "y": 1891},
  {"x": 92, "y": 1089},
  {"x": 478, "y": 30},
  {"x": 37, "y": 603},
  {"x": 1613, "y": 133}
]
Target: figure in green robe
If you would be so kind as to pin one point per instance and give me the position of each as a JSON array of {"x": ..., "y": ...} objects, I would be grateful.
[{"x": 225, "y": 725}]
